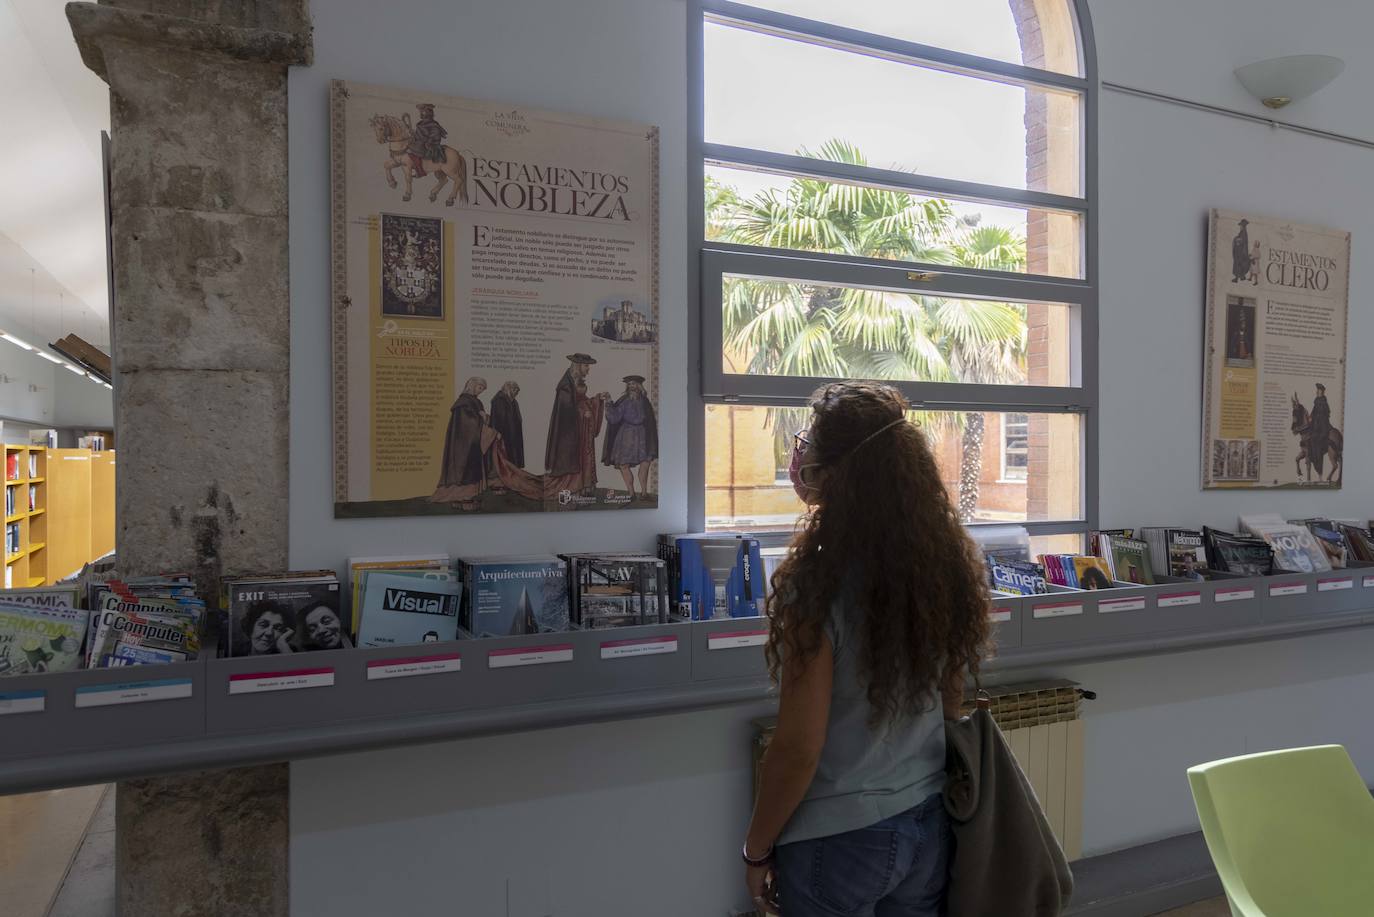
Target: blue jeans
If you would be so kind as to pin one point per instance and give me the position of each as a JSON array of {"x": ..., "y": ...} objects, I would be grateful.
[{"x": 896, "y": 868}]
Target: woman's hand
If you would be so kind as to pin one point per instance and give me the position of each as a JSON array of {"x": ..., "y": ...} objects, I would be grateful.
[
  {"x": 762, "y": 886},
  {"x": 284, "y": 641}
]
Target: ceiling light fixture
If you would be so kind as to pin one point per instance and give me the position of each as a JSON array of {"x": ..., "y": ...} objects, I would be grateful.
[
  {"x": 79, "y": 372},
  {"x": 47, "y": 356},
  {"x": 108, "y": 386},
  {"x": 1284, "y": 80},
  {"x": 15, "y": 341}
]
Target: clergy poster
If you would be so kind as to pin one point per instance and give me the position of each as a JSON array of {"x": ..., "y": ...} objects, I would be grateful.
[
  {"x": 495, "y": 307},
  {"x": 1274, "y": 379}
]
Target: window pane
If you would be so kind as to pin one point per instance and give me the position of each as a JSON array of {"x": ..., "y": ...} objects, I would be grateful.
[
  {"x": 1045, "y": 38},
  {"x": 796, "y": 328},
  {"x": 791, "y": 212},
  {"x": 786, "y": 96},
  {"x": 746, "y": 445}
]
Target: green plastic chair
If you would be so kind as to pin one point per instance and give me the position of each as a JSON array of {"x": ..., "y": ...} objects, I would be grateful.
[{"x": 1291, "y": 832}]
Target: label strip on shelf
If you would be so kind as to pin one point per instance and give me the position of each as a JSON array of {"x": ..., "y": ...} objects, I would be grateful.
[
  {"x": 1175, "y": 599},
  {"x": 378, "y": 669},
  {"x": 1125, "y": 603},
  {"x": 261, "y": 682},
  {"x": 644, "y": 646},
  {"x": 1058, "y": 610},
  {"x": 1279, "y": 589},
  {"x": 1335, "y": 584},
  {"x": 736, "y": 639},
  {"x": 1368, "y": 582},
  {"x": 133, "y": 692},
  {"x": 22, "y": 702},
  {"x": 529, "y": 655},
  {"x": 999, "y": 615},
  {"x": 1234, "y": 595}
]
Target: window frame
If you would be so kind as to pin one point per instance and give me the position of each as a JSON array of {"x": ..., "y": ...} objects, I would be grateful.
[
  {"x": 1002, "y": 477},
  {"x": 710, "y": 261}
]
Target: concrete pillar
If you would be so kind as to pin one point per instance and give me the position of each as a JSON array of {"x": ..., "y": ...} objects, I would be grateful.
[{"x": 201, "y": 350}]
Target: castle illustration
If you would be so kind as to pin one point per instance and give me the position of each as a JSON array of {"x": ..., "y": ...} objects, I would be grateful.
[{"x": 626, "y": 324}]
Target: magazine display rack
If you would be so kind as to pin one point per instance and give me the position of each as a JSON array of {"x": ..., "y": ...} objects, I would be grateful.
[{"x": 108, "y": 724}]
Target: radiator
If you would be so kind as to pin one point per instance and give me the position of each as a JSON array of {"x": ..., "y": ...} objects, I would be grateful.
[{"x": 1043, "y": 725}]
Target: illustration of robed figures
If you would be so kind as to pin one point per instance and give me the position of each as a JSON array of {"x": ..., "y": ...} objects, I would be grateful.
[
  {"x": 506, "y": 420},
  {"x": 1240, "y": 253},
  {"x": 631, "y": 434},
  {"x": 1320, "y": 428},
  {"x": 463, "y": 469},
  {"x": 574, "y": 424}
]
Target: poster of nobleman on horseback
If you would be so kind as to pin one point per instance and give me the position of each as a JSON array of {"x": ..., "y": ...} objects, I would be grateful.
[
  {"x": 477, "y": 248},
  {"x": 1275, "y": 353}
]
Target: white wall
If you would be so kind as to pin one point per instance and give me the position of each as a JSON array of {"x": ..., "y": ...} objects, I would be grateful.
[
  {"x": 560, "y": 805},
  {"x": 35, "y": 308}
]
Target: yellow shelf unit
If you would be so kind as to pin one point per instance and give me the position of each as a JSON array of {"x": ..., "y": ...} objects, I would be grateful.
[
  {"x": 25, "y": 472},
  {"x": 65, "y": 507}
]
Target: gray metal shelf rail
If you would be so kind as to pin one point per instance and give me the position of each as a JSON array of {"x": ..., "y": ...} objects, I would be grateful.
[{"x": 92, "y": 726}]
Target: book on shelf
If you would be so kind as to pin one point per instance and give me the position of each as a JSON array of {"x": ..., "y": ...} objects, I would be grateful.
[
  {"x": 509, "y": 596},
  {"x": 742, "y": 593},
  {"x": 618, "y": 590},
  {"x": 1229, "y": 552},
  {"x": 1019, "y": 577},
  {"x": 1128, "y": 558},
  {"x": 285, "y": 612},
  {"x": 1176, "y": 552},
  {"x": 405, "y": 607},
  {"x": 11, "y": 466},
  {"x": 1091, "y": 572},
  {"x": 33, "y": 464},
  {"x": 358, "y": 565},
  {"x": 33, "y": 497},
  {"x": 36, "y": 638},
  {"x": 1097, "y": 541},
  {"x": 9, "y": 500}
]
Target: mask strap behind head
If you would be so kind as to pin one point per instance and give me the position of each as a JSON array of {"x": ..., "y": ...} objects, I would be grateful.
[{"x": 876, "y": 433}]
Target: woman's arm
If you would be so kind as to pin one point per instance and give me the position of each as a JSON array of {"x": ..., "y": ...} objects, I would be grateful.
[
  {"x": 952, "y": 693},
  {"x": 792, "y": 756}
]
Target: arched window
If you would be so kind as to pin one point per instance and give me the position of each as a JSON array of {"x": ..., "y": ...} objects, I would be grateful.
[{"x": 901, "y": 190}]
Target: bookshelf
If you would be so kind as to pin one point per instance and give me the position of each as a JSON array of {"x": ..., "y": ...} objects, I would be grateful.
[
  {"x": 69, "y": 523},
  {"x": 26, "y": 516}
]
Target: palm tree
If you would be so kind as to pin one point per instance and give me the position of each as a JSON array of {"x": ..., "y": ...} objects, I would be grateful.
[{"x": 803, "y": 329}]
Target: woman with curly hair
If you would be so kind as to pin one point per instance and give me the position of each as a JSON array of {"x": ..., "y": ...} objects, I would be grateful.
[{"x": 877, "y": 615}]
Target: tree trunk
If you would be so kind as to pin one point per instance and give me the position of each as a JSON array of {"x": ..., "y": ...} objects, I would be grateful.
[{"x": 971, "y": 466}]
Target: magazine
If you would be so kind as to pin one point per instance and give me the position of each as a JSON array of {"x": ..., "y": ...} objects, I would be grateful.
[
  {"x": 1296, "y": 550},
  {"x": 1019, "y": 578},
  {"x": 403, "y": 607},
  {"x": 131, "y": 637},
  {"x": 34, "y": 640},
  {"x": 357, "y": 566},
  {"x": 617, "y": 590},
  {"x": 1179, "y": 553},
  {"x": 1241, "y": 554},
  {"x": 1127, "y": 558},
  {"x": 42, "y": 597},
  {"x": 1329, "y": 538},
  {"x": 1359, "y": 541},
  {"x": 1091, "y": 572},
  {"x": 169, "y": 625},
  {"x": 689, "y": 576},
  {"x": 296, "y": 613},
  {"x": 515, "y": 595}
]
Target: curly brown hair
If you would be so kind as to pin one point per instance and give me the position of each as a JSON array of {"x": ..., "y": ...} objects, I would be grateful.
[{"x": 886, "y": 541}]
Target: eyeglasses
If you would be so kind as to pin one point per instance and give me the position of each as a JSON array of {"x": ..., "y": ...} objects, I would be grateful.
[{"x": 801, "y": 440}]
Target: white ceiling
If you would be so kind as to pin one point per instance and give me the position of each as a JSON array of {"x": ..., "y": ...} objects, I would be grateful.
[{"x": 51, "y": 200}]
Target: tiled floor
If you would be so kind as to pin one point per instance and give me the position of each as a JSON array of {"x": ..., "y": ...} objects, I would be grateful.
[
  {"x": 89, "y": 890},
  {"x": 40, "y": 834}
]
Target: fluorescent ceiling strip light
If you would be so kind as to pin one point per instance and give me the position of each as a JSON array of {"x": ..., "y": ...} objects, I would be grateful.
[
  {"x": 79, "y": 372},
  {"x": 47, "y": 356},
  {"x": 108, "y": 386},
  {"x": 15, "y": 341}
]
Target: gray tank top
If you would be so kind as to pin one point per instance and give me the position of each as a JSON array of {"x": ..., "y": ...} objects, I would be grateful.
[{"x": 866, "y": 776}]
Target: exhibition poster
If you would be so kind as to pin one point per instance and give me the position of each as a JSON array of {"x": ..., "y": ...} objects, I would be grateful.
[
  {"x": 495, "y": 307},
  {"x": 1274, "y": 379}
]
